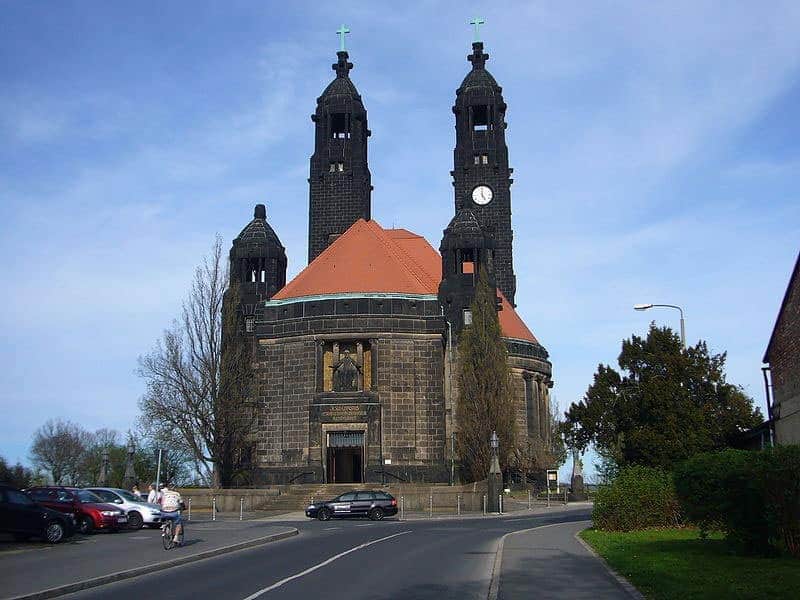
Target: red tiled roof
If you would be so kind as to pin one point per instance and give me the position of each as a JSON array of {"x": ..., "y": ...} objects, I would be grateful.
[{"x": 368, "y": 258}]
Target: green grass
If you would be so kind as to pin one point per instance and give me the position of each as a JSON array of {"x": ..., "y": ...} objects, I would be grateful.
[{"x": 675, "y": 563}]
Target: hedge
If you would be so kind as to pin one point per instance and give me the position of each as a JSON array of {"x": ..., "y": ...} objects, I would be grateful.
[
  {"x": 639, "y": 497},
  {"x": 753, "y": 497}
]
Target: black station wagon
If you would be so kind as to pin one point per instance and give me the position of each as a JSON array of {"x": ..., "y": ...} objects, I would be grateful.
[{"x": 361, "y": 503}]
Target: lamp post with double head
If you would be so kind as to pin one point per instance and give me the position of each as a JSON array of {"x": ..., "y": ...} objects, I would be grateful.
[{"x": 678, "y": 308}]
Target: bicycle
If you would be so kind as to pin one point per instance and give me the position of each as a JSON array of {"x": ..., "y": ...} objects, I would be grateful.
[{"x": 168, "y": 537}]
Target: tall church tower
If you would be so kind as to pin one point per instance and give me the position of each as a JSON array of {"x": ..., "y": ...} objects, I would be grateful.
[
  {"x": 481, "y": 176},
  {"x": 339, "y": 181}
]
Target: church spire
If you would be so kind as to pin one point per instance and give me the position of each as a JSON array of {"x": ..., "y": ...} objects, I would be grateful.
[
  {"x": 342, "y": 66},
  {"x": 477, "y": 58},
  {"x": 481, "y": 175},
  {"x": 340, "y": 181}
]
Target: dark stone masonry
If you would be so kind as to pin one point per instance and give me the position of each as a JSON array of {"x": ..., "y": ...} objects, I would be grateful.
[{"x": 355, "y": 359}]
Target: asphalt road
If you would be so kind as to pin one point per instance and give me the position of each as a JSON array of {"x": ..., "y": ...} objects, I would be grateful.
[{"x": 354, "y": 559}]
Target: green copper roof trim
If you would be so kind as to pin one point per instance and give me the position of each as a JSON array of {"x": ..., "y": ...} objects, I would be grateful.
[{"x": 351, "y": 295}]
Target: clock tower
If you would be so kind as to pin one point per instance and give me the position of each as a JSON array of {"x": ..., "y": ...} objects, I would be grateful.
[
  {"x": 339, "y": 181},
  {"x": 481, "y": 176}
]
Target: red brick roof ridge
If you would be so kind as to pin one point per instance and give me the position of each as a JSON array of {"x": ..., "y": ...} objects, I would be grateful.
[
  {"x": 401, "y": 257},
  {"x": 432, "y": 280}
]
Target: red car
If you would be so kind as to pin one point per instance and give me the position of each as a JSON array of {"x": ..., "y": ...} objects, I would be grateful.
[{"x": 89, "y": 510}]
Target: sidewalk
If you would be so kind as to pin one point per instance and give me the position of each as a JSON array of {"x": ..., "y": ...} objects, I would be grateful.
[
  {"x": 115, "y": 556},
  {"x": 549, "y": 562}
]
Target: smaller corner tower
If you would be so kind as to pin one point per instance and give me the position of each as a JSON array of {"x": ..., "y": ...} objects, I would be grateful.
[
  {"x": 257, "y": 264},
  {"x": 339, "y": 182},
  {"x": 466, "y": 249},
  {"x": 481, "y": 175}
]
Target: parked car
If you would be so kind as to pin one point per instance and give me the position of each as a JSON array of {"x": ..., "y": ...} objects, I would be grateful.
[
  {"x": 361, "y": 503},
  {"x": 89, "y": 511},
  {"x": 23, "y": 518},
  {"x": 139, "y": 511}
]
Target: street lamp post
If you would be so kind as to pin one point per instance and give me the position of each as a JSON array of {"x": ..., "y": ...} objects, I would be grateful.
[
  {"x": 495, "y": 482},
  {"x": 678, "y": 308}
]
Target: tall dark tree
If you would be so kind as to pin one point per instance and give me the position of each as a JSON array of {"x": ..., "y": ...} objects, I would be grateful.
[
  {"x": 485, "y": 398},
  {"x": 16, "y": 475},
  {"x": 665, "y": 405},
  {"x": 192, "y": 388}
]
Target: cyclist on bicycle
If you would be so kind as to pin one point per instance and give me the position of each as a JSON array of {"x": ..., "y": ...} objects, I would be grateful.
[{"x": 171, "y": 505}]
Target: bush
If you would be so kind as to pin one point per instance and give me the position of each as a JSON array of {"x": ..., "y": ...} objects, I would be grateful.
[
  {"x": 780, "y": 475},
  {"x": 639, "y": 497},
  {"x": 719, "y": 492},
  {"x": 752, "y": 497}
]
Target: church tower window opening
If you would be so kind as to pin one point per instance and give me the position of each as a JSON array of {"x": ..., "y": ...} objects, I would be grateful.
[
  {"x": 250, "y": 324},
  {"x": 466, "y": 261},
  {"x": 336, "y": 167},
  {"x": 480, "y": 118},
  {"x": 340, "y": 126},
  {"x": 481, "y": 159}
]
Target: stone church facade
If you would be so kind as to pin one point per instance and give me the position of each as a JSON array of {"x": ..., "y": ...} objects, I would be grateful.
[{"x": 355, "y": 358}]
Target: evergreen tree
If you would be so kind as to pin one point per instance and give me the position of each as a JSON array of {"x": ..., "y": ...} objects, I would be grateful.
[
  {"x": 666, "y": 406},
  {"x": 485, "y": 400}
]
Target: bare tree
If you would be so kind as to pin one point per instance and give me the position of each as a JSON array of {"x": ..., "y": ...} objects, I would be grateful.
[
  {"x": 196, "y": 381},
  {"x": 60, "y": 448}
]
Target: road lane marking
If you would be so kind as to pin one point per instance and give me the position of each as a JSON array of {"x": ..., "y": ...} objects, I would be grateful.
[
  {"x": 331, "y": 528},
  {"x": 494, "y": 585},
  {"x": 320, "y": 565}
]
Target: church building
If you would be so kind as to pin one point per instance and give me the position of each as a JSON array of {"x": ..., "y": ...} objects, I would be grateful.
[{"x": 355, "y": 358}]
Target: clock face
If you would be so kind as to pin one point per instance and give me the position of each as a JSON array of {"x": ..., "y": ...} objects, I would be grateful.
[{"x": 482, "y": 195}]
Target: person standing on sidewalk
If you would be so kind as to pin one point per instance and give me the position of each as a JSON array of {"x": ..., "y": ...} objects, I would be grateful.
[
  {"x": 135, "y": 491},
  {"x": 153, "y": 497}
]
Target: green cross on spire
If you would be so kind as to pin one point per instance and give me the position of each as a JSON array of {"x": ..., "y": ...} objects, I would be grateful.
[
  {"x": 342, "y": 31},
  {"x": 477, "y": 21}
]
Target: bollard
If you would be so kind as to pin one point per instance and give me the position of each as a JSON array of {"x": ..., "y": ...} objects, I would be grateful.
[
  {"x": 213, "y": 508},
  {"x": 500, "y": 504},
  {"x": 548, "y": 494},
  {"x": 484, "y": 504},
  {"x": 529, "y": 499},
  {"x": 190, "y": 509},
  {"x": 431, "y": 505},
  {"x": 402, "y": 507},
  {"x": 458, "y": 502},
  {"x": 241, "y": 509}
]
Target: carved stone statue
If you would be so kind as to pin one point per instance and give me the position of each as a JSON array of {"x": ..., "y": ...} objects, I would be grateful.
[
  {"x": 577, "y": 491},
  {"x": 345, "y": 374}
]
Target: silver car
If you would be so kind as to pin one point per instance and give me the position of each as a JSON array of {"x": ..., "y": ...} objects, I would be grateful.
[{"x": 139, "y": 511}]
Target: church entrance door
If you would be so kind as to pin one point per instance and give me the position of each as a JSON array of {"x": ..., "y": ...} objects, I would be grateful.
[{"x": 345, "y": 457}]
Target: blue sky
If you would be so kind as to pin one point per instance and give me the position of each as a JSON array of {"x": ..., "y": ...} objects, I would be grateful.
[{"x": 655, "y": 149}]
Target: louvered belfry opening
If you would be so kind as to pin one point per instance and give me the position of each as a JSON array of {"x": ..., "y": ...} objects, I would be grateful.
[{"x": 345, "y": 456}]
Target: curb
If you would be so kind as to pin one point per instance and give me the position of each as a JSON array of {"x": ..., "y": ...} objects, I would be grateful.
[
  {"x": 626, "y": 585},
  {"x": 69, "y": 588},
  {"x": 494, "y": 584}
]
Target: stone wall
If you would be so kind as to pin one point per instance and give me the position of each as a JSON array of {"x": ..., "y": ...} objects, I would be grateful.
[
  {"x": 401, "y": 408},
  {"x": 783, "y": 355}
]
